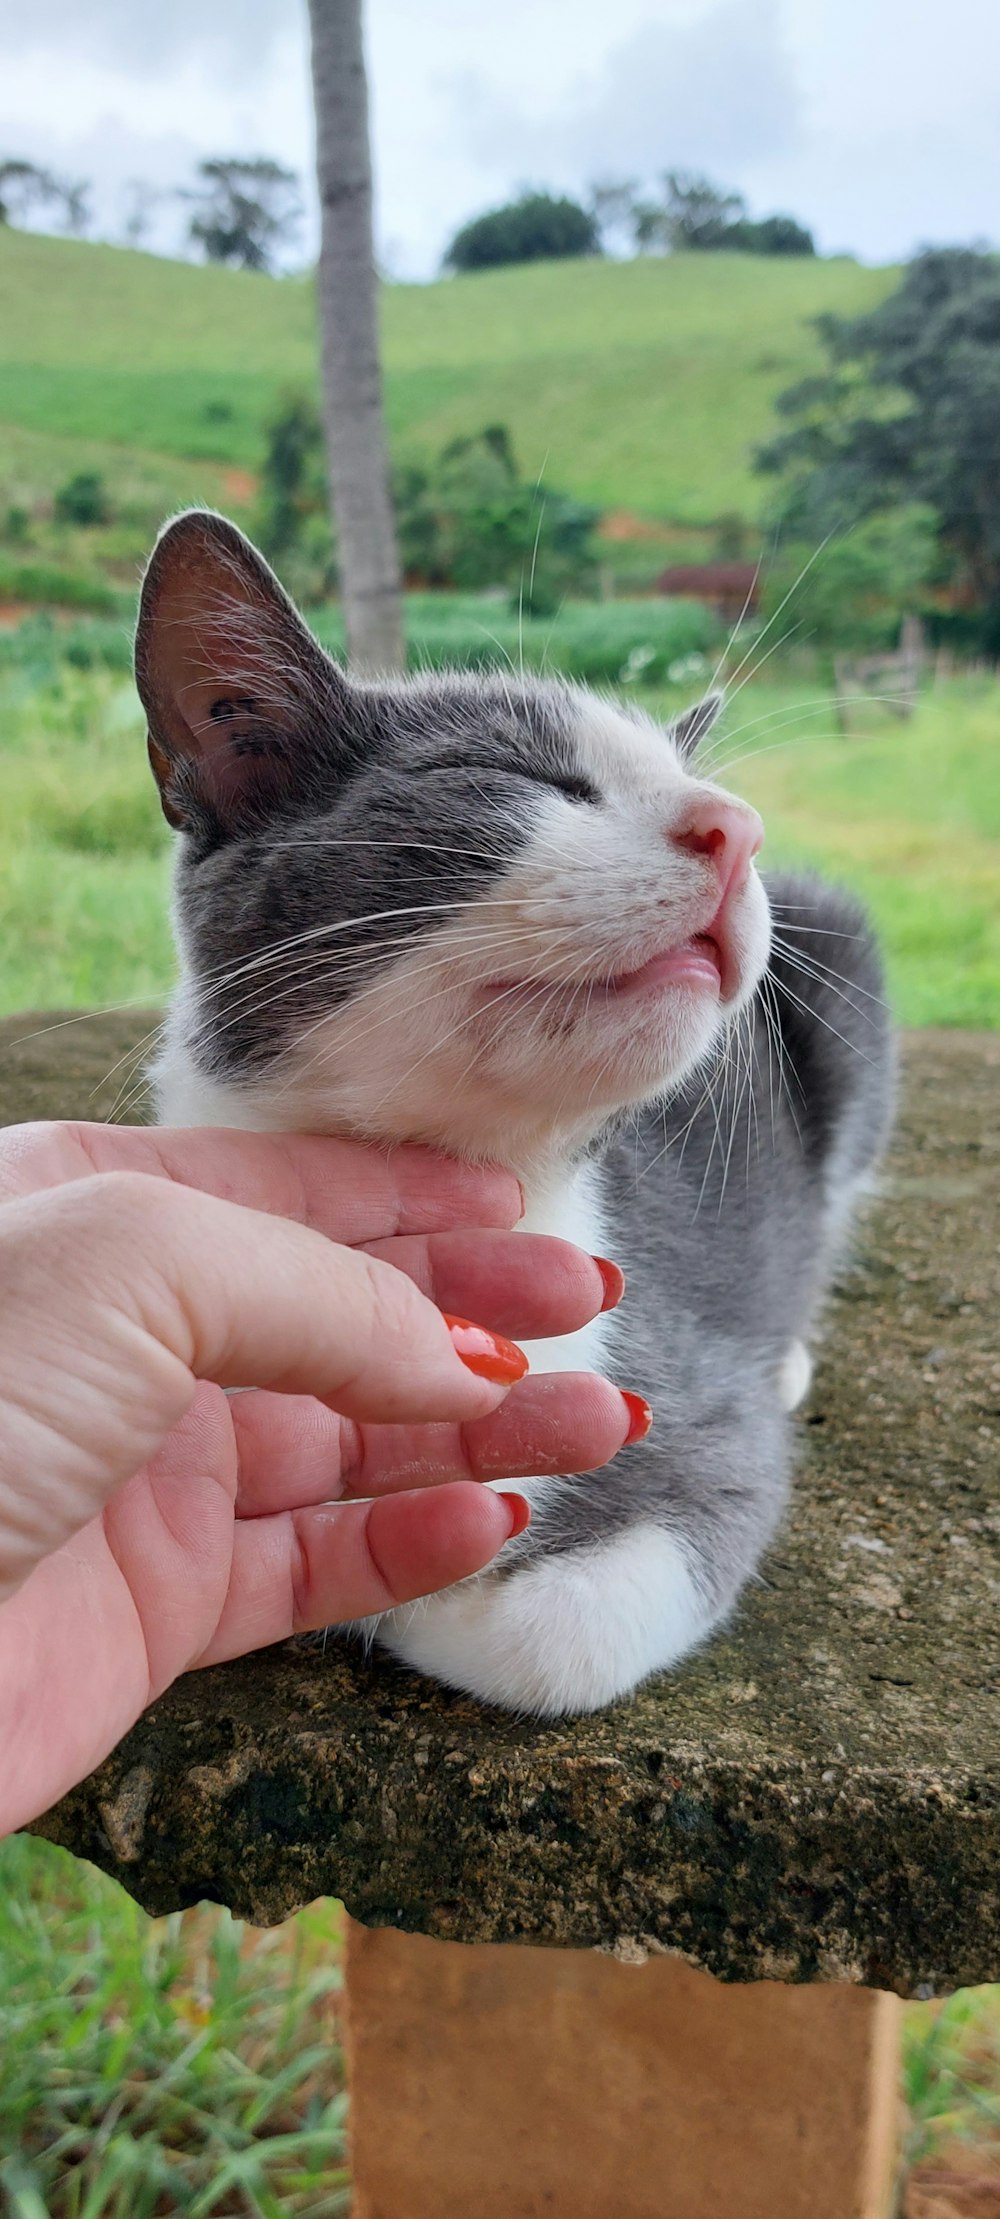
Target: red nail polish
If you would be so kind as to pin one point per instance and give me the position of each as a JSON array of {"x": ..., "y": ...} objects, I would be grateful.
[
  {"x": 489, "y": 1355},
  {"x": 640, "y": 1417},
  {"x": 520, "y": 1513},
  {"x": 614, "y": 1282}
]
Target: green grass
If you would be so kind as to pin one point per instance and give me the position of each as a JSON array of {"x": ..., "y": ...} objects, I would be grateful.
[
  {"x": 951, "y": 2074},
  {"x": 643, "y": 384},
  {"x": 182, "y": 2065},
  {"x": 908, "y": 814}
]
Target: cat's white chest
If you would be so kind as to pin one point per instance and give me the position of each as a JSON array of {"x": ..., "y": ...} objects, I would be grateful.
[{"x": 570, "y": 1211}]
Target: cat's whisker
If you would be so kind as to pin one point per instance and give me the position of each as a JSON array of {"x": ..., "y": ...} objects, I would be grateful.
[
  {"x": 733, "y": 690},
  {"x": 370, "y": 1023},
  {"x": 787, "y": 1073},
  {"x": 316, "y": 972},
  {"x": 738, "y": 626},
  {"x": 782, "y": 605},
  {"x": 781, "y": 986},
  {"x": 802, "y": 959}
]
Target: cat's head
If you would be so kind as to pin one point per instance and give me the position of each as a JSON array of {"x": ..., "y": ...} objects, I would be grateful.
[{"x": 486, "y": 911}]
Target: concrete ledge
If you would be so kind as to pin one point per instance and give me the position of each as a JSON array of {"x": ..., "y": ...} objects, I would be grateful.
[{"x": 817, "y": 1796}]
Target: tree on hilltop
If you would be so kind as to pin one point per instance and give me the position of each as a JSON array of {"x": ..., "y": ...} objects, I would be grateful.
[
  {"x": 537, "y": 227},
  {"x": 245, "y": 211},
  {"x": 691, "y": 214},
  {"x": 26, "y": 186}
]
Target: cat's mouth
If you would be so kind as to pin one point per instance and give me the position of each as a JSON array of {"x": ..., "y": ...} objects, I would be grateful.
[
  {"x": 698, "y": 962},
  {"x": 701, "y": 963}
]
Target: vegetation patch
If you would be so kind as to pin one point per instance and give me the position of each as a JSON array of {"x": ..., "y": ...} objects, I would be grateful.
[{"x": 186, "y": 2064}]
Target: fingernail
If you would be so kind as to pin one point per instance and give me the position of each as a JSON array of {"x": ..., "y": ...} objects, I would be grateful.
[
  {"x": 487, "y": 1354},
  {"x": 640, "y": 1417},
  {"x": 614, "y": 1282},
  {"x": 520, "y": 1513}
]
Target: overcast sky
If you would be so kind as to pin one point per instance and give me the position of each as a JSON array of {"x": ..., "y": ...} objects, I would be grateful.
[{"x": 875, "y": 121}]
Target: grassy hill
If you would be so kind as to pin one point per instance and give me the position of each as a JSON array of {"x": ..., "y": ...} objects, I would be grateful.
[{"x": 641, "y": 385}]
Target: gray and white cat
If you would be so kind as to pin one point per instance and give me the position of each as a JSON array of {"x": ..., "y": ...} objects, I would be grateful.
[{"x": 506, "y": 917}]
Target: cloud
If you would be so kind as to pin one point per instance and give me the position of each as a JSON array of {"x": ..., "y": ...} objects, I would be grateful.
[
  {"x": 134, "y": 35},
  {"x": 716, "y": 94}
]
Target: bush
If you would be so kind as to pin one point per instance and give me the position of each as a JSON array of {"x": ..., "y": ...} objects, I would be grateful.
[
  {"x": 465, "y": 519},
  {"x": 48, "y": 583},
  {"x": 292, "y": 520},
  {"x": 776, "y": 235},
  {"x": 83, "y": 500},
  {"x": 468, "y": 520},
  {"x": 535, "y": 228},
  {"x": 856, "y": 591}
]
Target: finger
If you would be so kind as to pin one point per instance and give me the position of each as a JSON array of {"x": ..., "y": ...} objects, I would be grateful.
[
  {"x": 527, "y": 1284},
  {"x": 294, "y": 1451},
  {"x": 304, "y": 1569},
  {"x": 345, "y": 1188}
]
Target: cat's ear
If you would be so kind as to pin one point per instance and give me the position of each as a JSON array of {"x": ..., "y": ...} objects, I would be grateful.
[
  {"x": 689, "y": 729},
  {"x": 237, "y": 692}
]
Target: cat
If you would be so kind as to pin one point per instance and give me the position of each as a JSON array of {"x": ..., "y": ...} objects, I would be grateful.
[{"x": 504, "y": 916}]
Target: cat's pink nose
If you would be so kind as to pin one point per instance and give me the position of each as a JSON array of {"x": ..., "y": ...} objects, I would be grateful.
[{"x": 729, "y": 833}]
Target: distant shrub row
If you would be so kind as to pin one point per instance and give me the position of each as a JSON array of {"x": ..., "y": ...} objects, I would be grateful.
[
  {"x": 63, "y": 588},
  {"x": 599, "y": 642},
  {"x": 614, "y": 643}
]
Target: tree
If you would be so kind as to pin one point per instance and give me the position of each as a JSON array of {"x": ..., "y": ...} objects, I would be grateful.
[
  {"x": 245, "y": 211},
  {"x": 614, "y": 205},
  {"x": 352, "y": 384},
  {"x": 464, "y": 518},
  {"x": 535, "y": 228},
  {"x": 771, "y": 235},
  {"x": 908, "y": 411},
  {"x": 25, "y": 185},
  {"x": 697, "y": 213},
  {"x": 140, "y": 203}
]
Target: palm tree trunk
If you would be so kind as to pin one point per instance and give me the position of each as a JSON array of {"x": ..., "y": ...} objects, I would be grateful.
[{"x": 352, "y": 380}]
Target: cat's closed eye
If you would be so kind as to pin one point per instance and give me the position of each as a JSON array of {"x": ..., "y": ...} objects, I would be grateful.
[
  {"x": 575, "y": 789},
  {"x": 575, "y": 786}
]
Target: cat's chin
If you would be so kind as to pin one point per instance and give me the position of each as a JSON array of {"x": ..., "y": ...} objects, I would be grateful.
[{"x": 622, "y": 1051}]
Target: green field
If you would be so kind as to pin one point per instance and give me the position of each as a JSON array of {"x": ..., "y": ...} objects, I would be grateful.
[{"x": 641, "y": 385}]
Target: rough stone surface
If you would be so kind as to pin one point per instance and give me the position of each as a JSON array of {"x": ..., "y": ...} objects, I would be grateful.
[{"x": 817, "y": 1796}]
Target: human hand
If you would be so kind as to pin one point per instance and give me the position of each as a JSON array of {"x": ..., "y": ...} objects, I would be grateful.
[{"x": 148, "y": 1522}]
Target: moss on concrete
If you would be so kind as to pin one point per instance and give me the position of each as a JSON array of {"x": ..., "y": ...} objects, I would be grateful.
[{"x": 817, "y": 1796}]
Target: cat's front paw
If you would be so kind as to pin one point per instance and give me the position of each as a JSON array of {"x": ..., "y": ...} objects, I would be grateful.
[{"x": 559, "y": 1634}]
